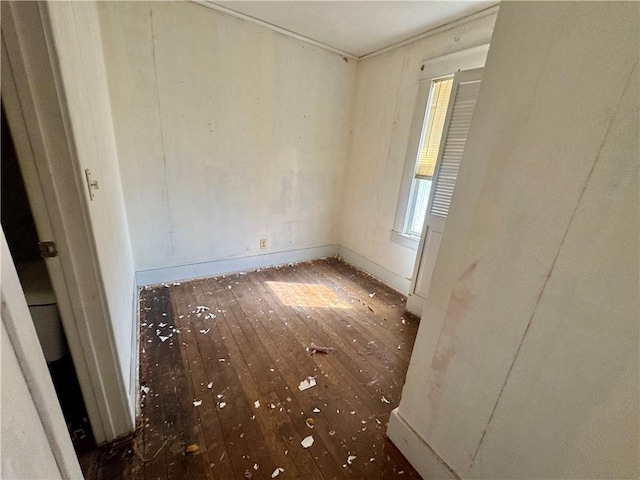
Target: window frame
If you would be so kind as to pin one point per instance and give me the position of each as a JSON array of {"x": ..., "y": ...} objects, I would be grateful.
[{"x": 430, "y": 70}]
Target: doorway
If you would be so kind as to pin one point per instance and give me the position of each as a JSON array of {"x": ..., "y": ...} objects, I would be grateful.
[{"x": 22, "y": 238}]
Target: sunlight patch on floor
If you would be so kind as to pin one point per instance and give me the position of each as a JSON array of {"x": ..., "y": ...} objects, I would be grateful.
[{"x": 306, "y": 295}]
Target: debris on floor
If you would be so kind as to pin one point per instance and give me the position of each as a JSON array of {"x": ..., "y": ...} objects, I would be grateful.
[
  {"x": 193, "y": 448},
  {"x": 277, "y": 472},
  {"x": 307, "y": 441},
  {"x": 307, "y": 383},
  {"x": 313, "y": 348},
  {"x": 192, "y": 358}
]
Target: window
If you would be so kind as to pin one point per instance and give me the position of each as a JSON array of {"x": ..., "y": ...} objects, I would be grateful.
[
  {"x": 434, "y": 95},
  {"x": 433, "y": 125}
]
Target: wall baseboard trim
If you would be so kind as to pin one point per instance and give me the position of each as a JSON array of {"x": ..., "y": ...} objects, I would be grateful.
[
  {"x": 415, "y": 304},
  {"x": 134, "y": 379},
  {"x": 427, "y": 462},
  {"x": 389, "y": 278},
  {"x": 220, "y": 267}
]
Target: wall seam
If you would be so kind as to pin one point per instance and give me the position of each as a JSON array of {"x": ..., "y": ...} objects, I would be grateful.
[{"x": 164, "y": 149}]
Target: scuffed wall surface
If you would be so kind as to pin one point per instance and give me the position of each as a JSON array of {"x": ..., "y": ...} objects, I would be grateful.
[
  {"x": 526, "y": 360},
  {"x": 227, "y": 133},
  {"x": 385, "y": 96}
]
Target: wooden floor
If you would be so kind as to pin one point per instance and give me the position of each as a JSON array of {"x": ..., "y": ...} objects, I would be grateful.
[{"x": 221, "y": 363}]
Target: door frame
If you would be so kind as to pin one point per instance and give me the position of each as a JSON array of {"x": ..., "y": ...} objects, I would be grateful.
[{"x": 35, "y": 105}]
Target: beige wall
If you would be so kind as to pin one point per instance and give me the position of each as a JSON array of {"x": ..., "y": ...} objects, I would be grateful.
[
  {"x": 526, "y": 361},
  {"x": 226, "y": 135},
  {"x": 384, "y": 103}
]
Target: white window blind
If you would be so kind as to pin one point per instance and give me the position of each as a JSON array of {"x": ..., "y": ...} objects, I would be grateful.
[
  {"x": 437, "y": 113},
  {"x": 455, "y": 139}
]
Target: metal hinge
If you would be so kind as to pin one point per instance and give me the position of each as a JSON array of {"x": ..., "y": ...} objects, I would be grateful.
[{"x": 48, "y": 249}]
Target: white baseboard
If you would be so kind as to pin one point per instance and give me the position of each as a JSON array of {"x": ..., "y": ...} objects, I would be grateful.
[
  {"x": 415, "y": 304},
  {"x": 134, "y": 379},
  {"x": 416, "y": 450},
  {"x": 389, "y": 278},
  {"x": 219, "y": 267}
]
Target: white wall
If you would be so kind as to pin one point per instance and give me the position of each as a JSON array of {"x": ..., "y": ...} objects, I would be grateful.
[
  {"x": 76, "y": 33},
  {"x": 35, "y": 442},
  {"x": 21, "y": 428},
  {"x": 526, "y": 360},
  {"x": 385, "y": 98},
  {"x": 227, "y": 133}
]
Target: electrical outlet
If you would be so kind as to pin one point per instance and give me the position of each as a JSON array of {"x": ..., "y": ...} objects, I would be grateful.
[{"x": 263, "y": 244}]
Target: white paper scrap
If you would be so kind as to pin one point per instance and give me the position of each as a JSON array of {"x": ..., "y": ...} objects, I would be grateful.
[
  {"x": 350, "y": 459},
  {"x": 222, "y": 404},
  {"x": 276, "y": 472},
  {"x": 163, "y": 339},
  {"x": 205, "y": 331},
  {"x": 307, "y": 442},
  {"x": 210, "y": 385},
  {"x": 316, "y": 410},
  {"x": 307, "y": 383},
  {"x": 197, "y": 403},
  {"x": 385, "y": 400},
  {"x": 256, "y": 404}
]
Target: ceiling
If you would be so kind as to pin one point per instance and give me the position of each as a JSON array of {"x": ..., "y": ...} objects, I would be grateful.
[{"x": 357, "y": 27}]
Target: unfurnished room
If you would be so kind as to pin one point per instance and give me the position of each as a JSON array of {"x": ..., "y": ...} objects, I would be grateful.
[{"x": 320, "y": 240}]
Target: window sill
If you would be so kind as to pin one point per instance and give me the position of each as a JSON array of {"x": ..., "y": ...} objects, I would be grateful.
[{"x": 405, "y": 240}]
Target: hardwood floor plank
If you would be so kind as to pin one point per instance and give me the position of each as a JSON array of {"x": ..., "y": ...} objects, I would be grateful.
[
  {"x": 337, "y": 392},
  {"x": 246, "y": 336},
  {"x": 193, "y": 370},
  {"x": 153, "y": 447},
  {"x": 206, "y": 368},
  {"x": 337, "y": 328}
]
